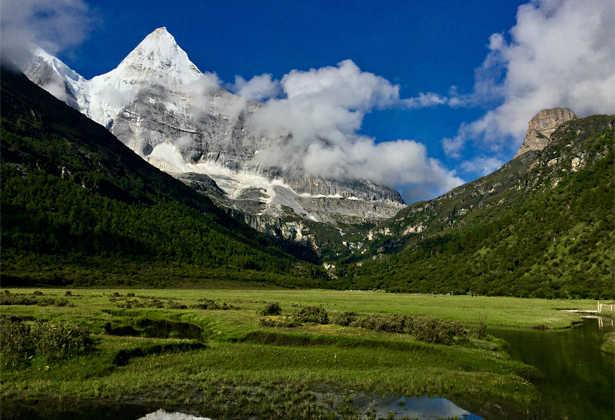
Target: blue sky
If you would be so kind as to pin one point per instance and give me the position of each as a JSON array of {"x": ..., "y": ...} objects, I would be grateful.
[
  {"x": 490, "y": 65},
  {"x": 422, "y": 46}
]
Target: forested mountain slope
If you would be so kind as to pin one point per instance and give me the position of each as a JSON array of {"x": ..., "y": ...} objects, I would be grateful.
[
  {"x": 541, "y": 226},
  {"x": 158, "y": 103},
  {"x": 78, "y": 206}
]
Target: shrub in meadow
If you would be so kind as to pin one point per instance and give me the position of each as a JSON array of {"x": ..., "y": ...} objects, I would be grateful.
[
  {"x": 345, "y": 319},
  {"x": 313, "y": 314},
  {"x": 423, "y": 328},
  {"x": 271, "y": 308},
  {"x": 61, "y": 302},
  {"x": 279, "y": 323},
  {"x": 46, "y": 302},
  {"x": 15, "y": 341},
  {"x": 58, "y": 341},
  {"x": 8, "y": 298},
  {"x": 176, "y": 305}
]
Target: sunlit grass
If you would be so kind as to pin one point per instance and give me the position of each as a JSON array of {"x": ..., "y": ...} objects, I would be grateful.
[{"x": 350, "y": 358}]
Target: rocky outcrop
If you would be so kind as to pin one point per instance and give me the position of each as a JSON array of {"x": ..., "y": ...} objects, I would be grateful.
[
  {"x": 201, "y": 183},
  {"x": 542, "y": 126},
  {"x": 353, "y": 189}
]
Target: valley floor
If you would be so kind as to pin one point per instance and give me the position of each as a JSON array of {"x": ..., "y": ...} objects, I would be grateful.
[{"x": 228, "y": 363}]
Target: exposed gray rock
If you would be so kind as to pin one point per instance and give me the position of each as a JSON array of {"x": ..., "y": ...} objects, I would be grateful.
[
  {"x": 201, "y": 183},
  {"x": 542, "y": 126}
]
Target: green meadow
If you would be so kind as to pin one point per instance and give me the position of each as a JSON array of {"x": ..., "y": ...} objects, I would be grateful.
[{"x": 214, "y": 349}]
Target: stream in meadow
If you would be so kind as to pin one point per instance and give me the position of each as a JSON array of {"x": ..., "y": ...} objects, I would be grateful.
[{"x": 578, "y": 382}]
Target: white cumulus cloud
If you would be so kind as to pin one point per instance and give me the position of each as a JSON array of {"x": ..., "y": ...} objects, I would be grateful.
[
  {"x": 322, "y": 110},
  {"x": 560, "y": 53},
  {"x": 258, "y": 88}
]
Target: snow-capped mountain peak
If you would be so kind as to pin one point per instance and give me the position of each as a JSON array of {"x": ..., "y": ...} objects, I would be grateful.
[
  {"x": 180, "y": 120},
  {"x": 158, "y": 59},
  {"x": 157, "y": 65},
  {"x": 62, "y": 69}
]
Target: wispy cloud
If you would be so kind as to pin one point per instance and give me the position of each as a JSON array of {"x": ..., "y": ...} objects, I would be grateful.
[
  {"x": 481, "y": 165},
  {"x": 424, "y": 100},
  {"x": 53, "y": 25}
]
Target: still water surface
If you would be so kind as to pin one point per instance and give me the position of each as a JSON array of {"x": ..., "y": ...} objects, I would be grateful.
[{"x": 578, "y": 380}]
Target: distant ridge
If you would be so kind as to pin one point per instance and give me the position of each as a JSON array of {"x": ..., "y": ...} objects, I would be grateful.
[{"x": 541, "y": 226}]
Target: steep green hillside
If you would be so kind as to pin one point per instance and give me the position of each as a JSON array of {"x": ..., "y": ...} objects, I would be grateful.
[
  {"x": 541, "y": 226},
  {"x": 80, "y": 207}
]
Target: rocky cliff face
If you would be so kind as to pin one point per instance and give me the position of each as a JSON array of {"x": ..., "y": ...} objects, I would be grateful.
[
  {"x": 178, "y": 119},
  {"x": 542, "y": 126}
]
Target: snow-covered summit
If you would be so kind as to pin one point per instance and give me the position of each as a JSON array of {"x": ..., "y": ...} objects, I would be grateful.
[
  {"x": 62, "y": 69},
  {"x": 156, "y": 63},
  {"x": 156, "y": 60}
]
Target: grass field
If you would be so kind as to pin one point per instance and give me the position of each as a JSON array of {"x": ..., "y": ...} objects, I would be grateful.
[{"x": 244, "y": 368}]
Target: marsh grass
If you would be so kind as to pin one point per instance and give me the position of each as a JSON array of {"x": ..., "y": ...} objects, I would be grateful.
[
  {"x": 609, "y": 343},
  {"x": 20, "y": 341},
  {"x": 249, "y": 367}
]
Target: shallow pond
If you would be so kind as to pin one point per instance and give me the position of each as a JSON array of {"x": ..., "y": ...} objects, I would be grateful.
[
  {"x": 404, "y": 407},
  {"x": 578, "y": 380},
  {"x": 423, "y": 408}
]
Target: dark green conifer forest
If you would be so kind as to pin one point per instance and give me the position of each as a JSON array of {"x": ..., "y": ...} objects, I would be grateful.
[{"x": 79, "y": 207}]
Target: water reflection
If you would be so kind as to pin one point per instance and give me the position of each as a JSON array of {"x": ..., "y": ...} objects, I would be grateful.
[
  {"x": 163, "y": 415},
  {"x": 422, "y": 408},
  {"x": 578, "y": 378},
  {"x": 157, "y": 329},
  {"x": 402, "y": 407}
]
